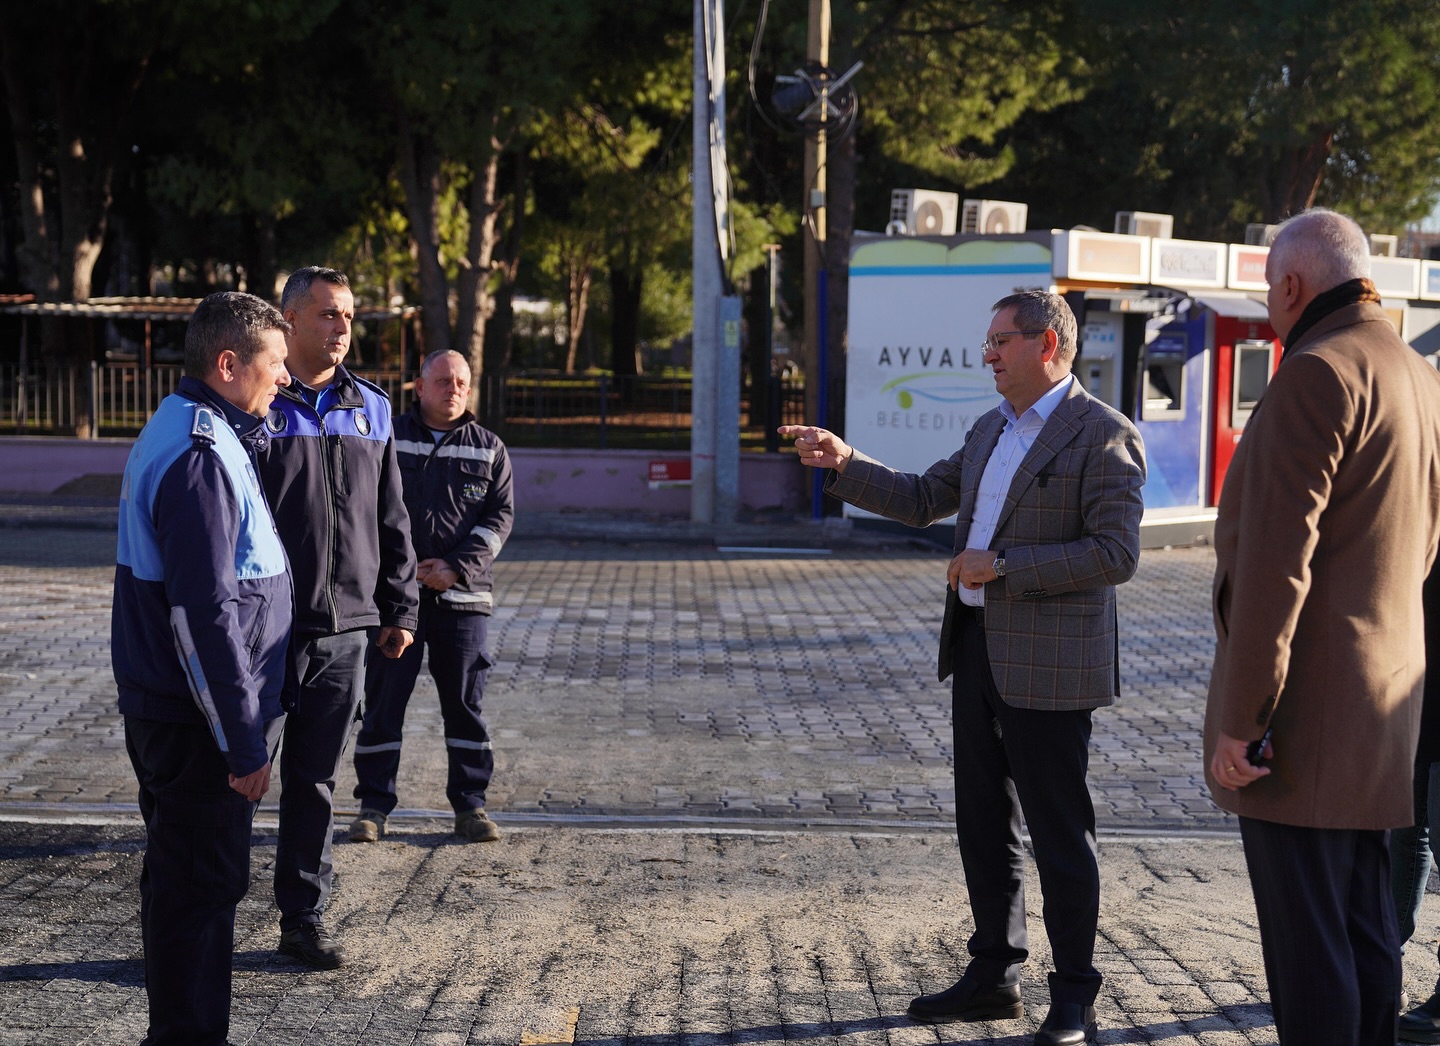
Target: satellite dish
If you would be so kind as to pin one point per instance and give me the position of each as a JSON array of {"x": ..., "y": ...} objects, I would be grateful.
[{"x": 997, "y": 221}]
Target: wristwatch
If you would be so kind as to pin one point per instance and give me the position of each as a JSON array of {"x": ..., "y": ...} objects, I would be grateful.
[{"x": 999, "y": 565}]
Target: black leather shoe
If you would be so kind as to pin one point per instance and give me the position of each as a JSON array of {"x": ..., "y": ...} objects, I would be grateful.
[
  {"x": 1067, "y": 1024},
  {"x": 312, "y": 944},
  {"x": 1422, "y": 1024},
  {"x": 968, "y": 1000}
]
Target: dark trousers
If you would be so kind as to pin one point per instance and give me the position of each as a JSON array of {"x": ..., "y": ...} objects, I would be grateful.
[
  {"x": 1410, "y": 854},
  {"x": 195, "y": 872},
  {"x": 323, "y": 692},
  {"x": 1008, "y": 760},
  {"x": 1327, "y": 928},
  {"x": 459, "y": 662}
]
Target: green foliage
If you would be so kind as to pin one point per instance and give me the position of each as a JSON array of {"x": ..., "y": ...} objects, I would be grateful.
[
  {"x": 1224, "y": 114},
  {"x": 279, "y": 132},
  {"x": 944, "y": 79}
]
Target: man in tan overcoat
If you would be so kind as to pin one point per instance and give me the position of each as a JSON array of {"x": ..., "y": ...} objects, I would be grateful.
[{"x": 1328, "y": 524}]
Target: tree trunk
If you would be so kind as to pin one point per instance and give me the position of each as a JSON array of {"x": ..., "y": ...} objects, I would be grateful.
[
  {"x": 500, "y": 334},
  {"x": 577, "y": 303},
  {"x": 261, "y": 265},
  {"x": 420, "y": 179},
  {"x": 626, "y": 284},
  {"x": 1297, "y": 175},
  {"x": 88, "y": 134},
  {"x": 474, "y": 291},
  {"x": 35, "y": 255}
]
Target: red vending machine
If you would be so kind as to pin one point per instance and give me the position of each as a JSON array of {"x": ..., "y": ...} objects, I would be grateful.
[{"x": 1245, "y": 352}]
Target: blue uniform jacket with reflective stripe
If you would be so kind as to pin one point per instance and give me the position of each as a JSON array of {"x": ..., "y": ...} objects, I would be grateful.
[
  {"x": 334, "y": 486},
  {"x": 203, "y": 602}
]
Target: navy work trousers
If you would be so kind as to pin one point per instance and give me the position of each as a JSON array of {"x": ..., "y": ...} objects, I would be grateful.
[
  {"x": 195, "y": 872},
  {"x": 323, "y": 692},
  {"x": 459, "y": 663}
]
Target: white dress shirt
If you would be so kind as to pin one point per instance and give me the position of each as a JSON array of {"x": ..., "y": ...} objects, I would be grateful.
[{"x": 1015, "y": 442}]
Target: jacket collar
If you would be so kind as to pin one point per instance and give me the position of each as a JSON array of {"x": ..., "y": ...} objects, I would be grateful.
[
  {"x": 419, "y": 419},
  {"x": 1347, "y": 316},
  {"x": 244, "y": 424},
  {"x": 347, "y": 391}
]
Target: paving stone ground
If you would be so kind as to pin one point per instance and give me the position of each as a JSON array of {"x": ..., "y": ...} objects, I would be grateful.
[
  {"x": 725, "y": 787},
  {"x": 677, "y": 681}
]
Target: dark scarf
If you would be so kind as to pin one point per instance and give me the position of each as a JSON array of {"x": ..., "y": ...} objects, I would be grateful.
[{"x": 1350, "y": 292}]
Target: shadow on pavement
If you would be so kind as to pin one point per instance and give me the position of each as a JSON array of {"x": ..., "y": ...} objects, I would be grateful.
[
  {"x": 128, "y": 973},
  {"x": 1226, "y": 1019},
  {"x": 774, "y": 1033}
]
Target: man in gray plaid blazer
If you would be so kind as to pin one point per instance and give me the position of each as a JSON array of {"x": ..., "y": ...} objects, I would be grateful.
[{"x": 1046, "y": 494}]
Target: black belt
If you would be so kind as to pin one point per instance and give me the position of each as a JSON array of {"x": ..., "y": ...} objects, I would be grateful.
[{"x": 976, "y": 614}]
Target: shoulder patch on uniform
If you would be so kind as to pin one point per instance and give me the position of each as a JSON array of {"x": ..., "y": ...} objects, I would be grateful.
[
  {"x": 275, "y": 420},
  {"x": 362, "y": 423},
  {"x": 202, "y": 428}
]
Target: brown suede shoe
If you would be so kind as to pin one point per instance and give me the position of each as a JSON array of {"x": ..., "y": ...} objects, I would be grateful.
[{"x": 475, "y": 826}]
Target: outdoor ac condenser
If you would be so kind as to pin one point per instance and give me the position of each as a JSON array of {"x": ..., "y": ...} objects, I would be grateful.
[
  {"x": 1145, "y": 223},
  {"x": 1258, "y": 234},
  {"x": 924, "y": 212},
  {"x": 993, "y": 216}
]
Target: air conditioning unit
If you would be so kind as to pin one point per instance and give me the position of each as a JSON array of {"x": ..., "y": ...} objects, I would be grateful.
[
  {"x": 993, "y": 217},
  {"x": 1258, "y": 234},
  {"x": 1144, "y": 223},
  {"x": 1383, "y": 245},
  {"x": 923, "y": 212}
]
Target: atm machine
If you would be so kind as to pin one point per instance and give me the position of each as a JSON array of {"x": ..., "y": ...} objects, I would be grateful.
[
  {"x": 1172, "y": 391},
  {"x": 1201, "y": 374},
  {"x": 1137, "y": 356}
]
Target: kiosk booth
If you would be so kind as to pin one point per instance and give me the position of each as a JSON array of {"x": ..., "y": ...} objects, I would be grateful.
[{"x": 1173, "y": 333}]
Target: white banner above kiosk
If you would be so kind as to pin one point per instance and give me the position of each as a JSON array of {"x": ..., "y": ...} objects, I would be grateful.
[{"x": 1102, "y": 256}]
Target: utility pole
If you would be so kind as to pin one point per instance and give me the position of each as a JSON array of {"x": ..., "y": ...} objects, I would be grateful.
[
  {"x": 715, "y": 345},
  {"x": 817, "y": 51}
]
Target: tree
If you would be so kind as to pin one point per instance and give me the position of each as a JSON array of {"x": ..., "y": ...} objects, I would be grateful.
[
  {"x": 1222, "y": 115},
  {"x": 455, "y": 83},
  {"x": 71, "y": 72},
  {"x": 943, "y": 80}
]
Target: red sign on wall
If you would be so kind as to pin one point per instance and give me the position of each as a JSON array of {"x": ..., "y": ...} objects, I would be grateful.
[{"x": 670, "y": 472}]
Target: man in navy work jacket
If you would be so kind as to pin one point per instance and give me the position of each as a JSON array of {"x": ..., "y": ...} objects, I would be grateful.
[
  {"x": 334, "y": 484},
  {"x": 198, "y": 637},
  {"x": 457, "y": 483}
]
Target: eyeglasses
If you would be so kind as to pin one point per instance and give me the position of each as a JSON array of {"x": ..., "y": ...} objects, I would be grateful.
[{"x": 996, "y": 340}]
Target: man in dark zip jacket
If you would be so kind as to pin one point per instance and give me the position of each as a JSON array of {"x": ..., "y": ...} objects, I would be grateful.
[
  {"x": 457, "y": 483},
  {"x": 334, "y": 484},
  {"x": 199, "y": 630}
]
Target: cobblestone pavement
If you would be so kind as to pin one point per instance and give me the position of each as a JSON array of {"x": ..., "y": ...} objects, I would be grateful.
[
  {"x": 724, "y": 786},
  {"x": 677, "y": 682}
]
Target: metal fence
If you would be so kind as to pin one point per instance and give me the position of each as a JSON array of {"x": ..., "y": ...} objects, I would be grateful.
[{"x": 527, "y": 408}]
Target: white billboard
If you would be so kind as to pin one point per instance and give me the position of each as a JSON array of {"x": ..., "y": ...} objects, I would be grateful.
[{"x": 919, "y": 309}]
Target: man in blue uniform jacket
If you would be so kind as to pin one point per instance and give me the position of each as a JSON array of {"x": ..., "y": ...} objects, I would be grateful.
[
  {"x": 334, "y": 484},
  {"x": 198, "y": 637}
]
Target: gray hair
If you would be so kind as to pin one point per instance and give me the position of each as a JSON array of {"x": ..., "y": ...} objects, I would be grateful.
[
  {"x": 297, "y": 287},
  {"x": 433, "y": 358},
  {"x": 228, "y": 320},
  {"x": 1323, "y": 247},
  {"x": 1035, "y": 310}
]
